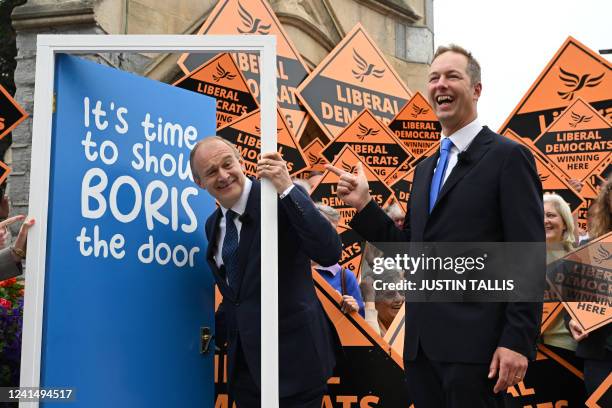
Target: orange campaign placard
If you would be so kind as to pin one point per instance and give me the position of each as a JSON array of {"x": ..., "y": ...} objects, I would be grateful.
[
  {"x": 354, "y": 76},
  {"x": 553, "y": 179},
  {"x": 577, "y": 141},
  {"x": 316, "y": 161},
  {"x": 574, "y": 71},
  {"x": 245, "y": 134},
  {"x": 602, "y": 397},
  {"x": 373, "y": 141},
  {"x": 4, "y": 172},
  {"x": 325, "y": 190},
  {"x": 401, "y": 188},
  {"x": 11, "y": 113},
  {"x": 550, "y": 310},
  {"x": 257, "y": 17},
  {"x": 221, "y": 79},
  {"x": 395, "y": 333},
  {"x": 352, "y": 249},
  {"x": 399, "y": 172},
  {"x": 416, "y": 125},
  {"x": 375, "y": 375},
  {"x": 400, "y": 181},
  {"x": 582, "y": 279}
]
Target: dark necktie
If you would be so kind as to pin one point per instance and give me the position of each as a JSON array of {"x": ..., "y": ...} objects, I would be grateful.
[
  {"x": 438, "y": 176},
  {"x": 230, "y": 248}
]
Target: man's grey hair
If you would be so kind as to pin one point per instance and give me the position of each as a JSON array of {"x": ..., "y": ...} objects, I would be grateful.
[
  {"x": 329, "y": 212},
  {"x": 206, "y": 140}
]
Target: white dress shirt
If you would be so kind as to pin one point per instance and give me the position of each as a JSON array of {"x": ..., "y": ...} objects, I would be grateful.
[
  {"x": 239, "y": 209},
  {"x": 461, "y": 141}
]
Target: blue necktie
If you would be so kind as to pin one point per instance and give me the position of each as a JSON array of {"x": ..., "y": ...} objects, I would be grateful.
[
  {"x": 230, "y": 247},
  {"x": 438, "y": 176}
]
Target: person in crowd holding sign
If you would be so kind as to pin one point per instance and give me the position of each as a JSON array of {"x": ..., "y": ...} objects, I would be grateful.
[
  {"x": 479, "y": 187},
  {"x": 11, "y": 257},
  {"x": 595, "y": 348},
  {"x": 600, "y": 214},
  {"x": 307, "y": 342},
  {"x": 560, "y": 238},
  {"x": 381, "y": 306},
  {"x": 340, "y": 278}
]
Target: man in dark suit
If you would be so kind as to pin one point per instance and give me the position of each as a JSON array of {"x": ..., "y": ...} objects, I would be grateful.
[
  {"x": 306, "y": 341},
  {"x": 479, "y": 187}
]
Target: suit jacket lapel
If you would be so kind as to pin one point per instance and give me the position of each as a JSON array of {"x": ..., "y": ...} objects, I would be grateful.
[
  {"x": 475, "y": 151},
  {"x": 248, "y": 233}
]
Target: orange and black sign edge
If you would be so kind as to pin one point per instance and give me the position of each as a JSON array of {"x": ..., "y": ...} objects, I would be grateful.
[
  {"x": 296, "y": 142},
  {"x": 347, "y": 228},
  {"x": 323, "y": 64},
  {"x": 594, "y": 399},
  {"x": 355, "y": 319},
  {"x": 570, "y": 40},
  {"x": 548, "y": 319},
  {"x": 220, "y": 6},
  {"x": 552, "y": 167},
  {"x": 5, "y": 170},
  {"x": 308, "y": 147},
  {"x": 542, "y": 348},
  {"x": 212, "y": 60},
  {"x": 17, "y": 106}
]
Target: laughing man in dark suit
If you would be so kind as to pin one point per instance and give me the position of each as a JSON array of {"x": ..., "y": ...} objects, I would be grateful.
[
  {"x": 306, "y": 340},
  {"x": 479, "y": 187}
]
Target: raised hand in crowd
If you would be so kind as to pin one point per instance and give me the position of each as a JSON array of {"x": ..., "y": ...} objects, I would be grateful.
[
  {"x": 576, "y": 184},
  {"x": 353, "y": 189},
  {"x": 577, "y": 332},
  {"x": 19, "y": 248}
]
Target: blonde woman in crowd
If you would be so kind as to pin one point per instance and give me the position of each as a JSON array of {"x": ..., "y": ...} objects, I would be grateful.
[{"x": 560, "y": 238}]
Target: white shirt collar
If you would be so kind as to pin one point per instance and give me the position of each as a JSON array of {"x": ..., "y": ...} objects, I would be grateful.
[
  {"x": 240, "y": 206},
  {"x": 463, "y": 137}
]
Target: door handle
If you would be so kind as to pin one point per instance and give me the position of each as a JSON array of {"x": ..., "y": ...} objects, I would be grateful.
[{"x": 205, "y": 339}]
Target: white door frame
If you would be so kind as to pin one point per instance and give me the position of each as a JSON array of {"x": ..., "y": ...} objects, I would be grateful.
[{"x": 47, "y": 47}]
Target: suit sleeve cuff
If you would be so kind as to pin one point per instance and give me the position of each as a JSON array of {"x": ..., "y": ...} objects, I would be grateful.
[{"x": 286, "y": 192}]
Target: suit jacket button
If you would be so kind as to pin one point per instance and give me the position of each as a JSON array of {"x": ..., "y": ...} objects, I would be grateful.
[{"x": 236, "y": 304}]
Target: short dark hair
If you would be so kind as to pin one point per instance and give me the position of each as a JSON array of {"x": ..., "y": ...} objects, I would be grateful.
[
  {"x": 473, "y": 67},
  {"x": 206, "y": 140}
]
